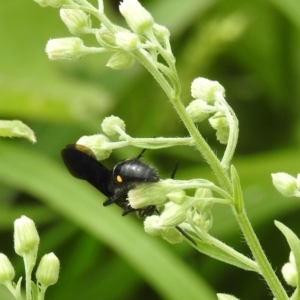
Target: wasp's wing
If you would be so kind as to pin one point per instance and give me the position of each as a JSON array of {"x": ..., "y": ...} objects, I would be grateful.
[{"x": 82, "y": 164}]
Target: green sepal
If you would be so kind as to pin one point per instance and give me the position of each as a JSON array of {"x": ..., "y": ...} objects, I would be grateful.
[
  {"x": 237, "y": 190},
  {"x": 221, "y": 255}
]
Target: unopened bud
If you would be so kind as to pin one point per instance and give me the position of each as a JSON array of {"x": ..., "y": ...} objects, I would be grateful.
[
  {"x": 286, "y": 184},
  {"x": 48, "y": 270},
  {"x": 120, "y": 61},
  {"x": 26, "y": 237},
  {"x": 113, "y": 125},
  {"x": 98, "y": 143},
  {"x": 76, "y": 20},
  {"x": 137, "y": 17},
  {"x": 127, "y": 40},
  {"x": 71, "y": 48},
  {"x": 206, "y": 89},
  {"x": 7, "y": 272}
]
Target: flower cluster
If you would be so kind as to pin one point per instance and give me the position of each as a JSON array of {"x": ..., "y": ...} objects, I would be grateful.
[
  {"x": 144, "y": 40},
  {"x": 114, "y": 136},
  {"x": 27, "y": 240},
  {"x": 209, "y": 96},
  {"x": 190, "y": 213},
  {"x": 178, "y": 214}
]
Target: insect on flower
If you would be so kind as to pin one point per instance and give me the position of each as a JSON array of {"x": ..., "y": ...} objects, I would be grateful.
[{"x": 116, "y": 183}]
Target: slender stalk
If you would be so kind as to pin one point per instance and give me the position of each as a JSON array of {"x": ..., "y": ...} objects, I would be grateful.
[
  {"x": 223, "y": 177},
  {"x": 260, "y": 257},
  {"x": 28, "y": 270},
  {"x": 203, "y": 147},
  {"x": 199, "y": 141},
  {"x": 41, "y": 295}
]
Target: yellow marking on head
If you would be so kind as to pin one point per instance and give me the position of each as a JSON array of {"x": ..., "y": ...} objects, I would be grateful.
[{"x": 119, "y": 179}]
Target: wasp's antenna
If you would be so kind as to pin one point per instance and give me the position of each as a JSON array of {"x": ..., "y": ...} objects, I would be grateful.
[
  {"x": 141, "y": 154},
  {"x": 174, "y": 170}
]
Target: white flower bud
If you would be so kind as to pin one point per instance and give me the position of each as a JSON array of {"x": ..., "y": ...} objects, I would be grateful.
[
  {"x": 218, "y": 121},
  {"x": 152, "y": 227},
  {"x": 16, "y": 128},
  {"x": 172, "y": 235},
  {"x": 127, "y": 40},
  {"x": 223, "y": 135},
  {"x": 71, "y": 48},
  {"x": 162, "y": 33},
  {"x": 206, "y": 89},
  {"x": 198, "y": 110},
  {"x": 48, "y": 270},
  {"x": 148, "y": 194},
  {"x": 105, "y": 37},
  {"x": 7, "y": 272},
  {"x": 178, "y": 197},
  {"x": 77, "y": 21},
  {"x": 292, "y": 258},
  {"x": 26, "y": 237},
  {"x": 203, "y": 193},
  {"x": 289, "y": 271},
  {"x": 113, "y": 125},
  {"x": 137, "y": 17},
  {"x": 285, "y": 184},
  {"x": 120, "y": 61},
  {"x": 220, "y": 124},
  {"x": 98, "y": 143},
  {"x": 173, "y": 215}
]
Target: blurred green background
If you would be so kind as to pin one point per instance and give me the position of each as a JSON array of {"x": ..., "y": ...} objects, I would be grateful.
[{"x": 251, "y": 47}]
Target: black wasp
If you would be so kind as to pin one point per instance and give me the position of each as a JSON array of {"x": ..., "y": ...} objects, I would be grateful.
[{"x": 116, "y": 183}]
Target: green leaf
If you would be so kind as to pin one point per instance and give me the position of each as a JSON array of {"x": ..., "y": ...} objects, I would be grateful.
[
  {"x": 237, "y": 190},
  {"x": 221, "y": 255}
]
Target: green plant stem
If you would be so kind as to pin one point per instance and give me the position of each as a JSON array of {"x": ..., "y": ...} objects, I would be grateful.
[
  {"x": 233, "y": 133},
  {"x": 260, "y": 257},
  {"x": 203, "y": 147},
  {"x": 199, "y": 141},
  {"x": 41, "y": 295},
  {"x": 220, "y": 172},
  {"x": 28, "y": 270}
]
